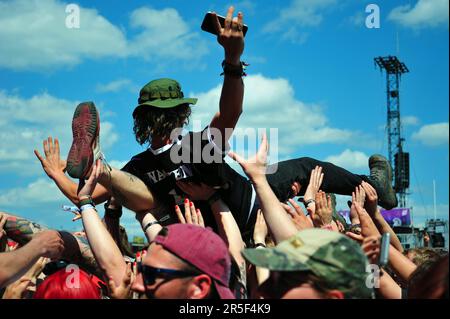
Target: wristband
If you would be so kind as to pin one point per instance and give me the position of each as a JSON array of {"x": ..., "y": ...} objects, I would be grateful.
[
  {"x": 308, "y": 202},
  {"x": 115, "y": 213},
  {"x": 86, "y": 206},
  {"x": 234, "y": 70},
  {"x": 214, "y": 198},
  {"x": 86, "y": 201},
  {"x": 150, "y": 224}
]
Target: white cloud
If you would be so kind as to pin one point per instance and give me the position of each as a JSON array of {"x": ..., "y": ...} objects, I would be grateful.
[
  {"x": 426, "y": 13},
  {"x": 41, "y": 191},
  {"x": 34, "y": 36},
  {"x": 164, "y": 35},
  {"x": 114, "y": 86},
  {"x": 432, "y": 134},
  {"x": 349, "y": 159},
  {"x": 410, "y": 120},
  {"x": 270, "y": 103},
  {"x": 300, "y": 14},
  {"x": 26, "y": 122}
]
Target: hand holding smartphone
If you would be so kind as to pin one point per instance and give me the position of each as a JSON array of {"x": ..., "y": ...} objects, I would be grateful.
[{"x": 208, "y": 24}]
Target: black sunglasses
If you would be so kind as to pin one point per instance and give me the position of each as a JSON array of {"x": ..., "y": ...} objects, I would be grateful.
[{"x": 149, "y": 274}]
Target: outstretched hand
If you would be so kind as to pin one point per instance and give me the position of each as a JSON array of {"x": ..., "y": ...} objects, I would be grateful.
[
  {"x": 123, "y": 290},
  {"x": 297, "y": 214},
  {"x": 86, "y": 188},
  {"x": 255, "y": 167},
  {"x": 368, "y": 227},
  {"x": 324, "y": 210},
  {"x": 52, "y": 163},
  {"x": 315, "y": 181},
  {"x": 231, "y": 36},
  {"x": 371, "y": 204},
  {"x": 191, "y": 214}
]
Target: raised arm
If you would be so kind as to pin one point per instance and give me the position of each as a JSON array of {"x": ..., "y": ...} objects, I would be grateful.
[
  {"x": 378, "y": 219},
  {"x": 16, "y": 263},
  {"x": 55, "y": 167},
  {"x": 231, "y": 38},
  {"x": 279, "y": 222},
  {"x": 400, "y": 263},
  {"x": 105, "y": 250},
  {"x": 227, "y": 226}
]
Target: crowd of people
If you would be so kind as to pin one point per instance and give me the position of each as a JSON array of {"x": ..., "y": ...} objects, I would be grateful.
[{"x": 212, "y": 233}]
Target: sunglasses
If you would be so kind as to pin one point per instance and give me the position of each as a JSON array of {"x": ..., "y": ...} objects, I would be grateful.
[{"x": 149, "y": 274}]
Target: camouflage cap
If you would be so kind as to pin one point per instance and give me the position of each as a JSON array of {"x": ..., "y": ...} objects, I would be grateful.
[
  {"x": 333, "y": 257},
  {"x": 163, "y": 93}
]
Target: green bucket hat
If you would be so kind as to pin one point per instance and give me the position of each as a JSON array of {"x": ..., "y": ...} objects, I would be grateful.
[
  {"x": 162, "y": 93},
  {"x": 333, "y": 257}
]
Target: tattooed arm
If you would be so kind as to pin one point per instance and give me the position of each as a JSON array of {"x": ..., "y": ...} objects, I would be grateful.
[
  {"x": 21, "y": 230},
  {"x": 76, "y": 248},
  {"x": 16, "y": 263}
]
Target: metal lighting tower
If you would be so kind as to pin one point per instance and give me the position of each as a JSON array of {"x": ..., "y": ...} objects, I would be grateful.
[{"x": 398, "y": 159}]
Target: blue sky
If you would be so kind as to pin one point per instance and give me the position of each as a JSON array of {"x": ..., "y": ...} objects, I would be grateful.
[{"x": 311, "y": 75}]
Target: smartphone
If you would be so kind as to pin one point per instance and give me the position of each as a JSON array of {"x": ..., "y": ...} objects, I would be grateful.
[
  {"x": 384, "y": 249},
  {"x": 208, "y": 24}
]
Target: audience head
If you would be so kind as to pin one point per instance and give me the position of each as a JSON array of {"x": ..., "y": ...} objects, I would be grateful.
[
  {"x": 313, "y": 264},
  {"x": 64, "y": 284},
  {"x": 185, "y": 262}
]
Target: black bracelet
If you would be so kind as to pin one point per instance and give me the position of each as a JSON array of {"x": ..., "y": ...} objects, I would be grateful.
[
  {"x": 234, "y": 70},
  {"x": 214, "y": 198},
  {"x": 150, "y": 224},
  {"x": 113, "y": 212},
  {"x": 86, "y": 201},
  {"x": 308, "y": 202}
]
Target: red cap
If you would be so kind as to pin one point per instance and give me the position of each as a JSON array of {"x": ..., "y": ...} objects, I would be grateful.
[{"x": 203, "y": 249}]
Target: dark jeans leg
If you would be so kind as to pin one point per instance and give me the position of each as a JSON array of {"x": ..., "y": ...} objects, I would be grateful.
[{"x": 336, "y": 179}]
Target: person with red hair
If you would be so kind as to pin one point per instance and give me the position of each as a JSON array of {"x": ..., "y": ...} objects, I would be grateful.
[{"x": 65, "y": 284}]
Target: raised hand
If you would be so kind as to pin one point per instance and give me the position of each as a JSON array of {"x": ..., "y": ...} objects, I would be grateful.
[
  {"x": 123, "y": 290},
  {"x": 260, "y": 231},
  {"x": 17, "y": 289},
  {"x": 371, "y": 248},
  {"x": 297, "y": 214},
  {"x": 358, "y": 196},
  {"x": 52, "y": 163},
  {"x": 368, "y": 227},
  {"x": 87, "y": 188},
  {"x": 371, "y": 204},
  {"x": 50, "y": 243},
  {"x": 231, "y": 36},
  {"x": 255, "y": 167},
  {"x": 191, "y": 214},
  {"x": 324, "y": 210},
  {"x": 315, "y": 181}
]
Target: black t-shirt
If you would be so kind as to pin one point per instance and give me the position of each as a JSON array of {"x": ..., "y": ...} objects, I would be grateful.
[{"x": 195, "y": 157}]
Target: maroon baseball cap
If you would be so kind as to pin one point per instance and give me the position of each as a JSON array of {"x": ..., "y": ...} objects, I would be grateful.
[{"x": 203, "y": 249}]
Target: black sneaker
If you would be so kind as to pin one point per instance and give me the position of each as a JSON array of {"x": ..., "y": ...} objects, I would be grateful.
[{"x": 381, "y": 180}]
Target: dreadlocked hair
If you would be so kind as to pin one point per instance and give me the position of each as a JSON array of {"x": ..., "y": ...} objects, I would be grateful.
[{"x": 154, "y": 121}]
